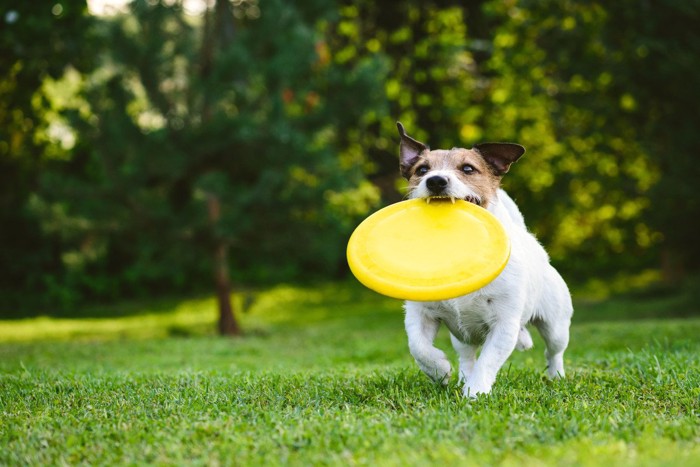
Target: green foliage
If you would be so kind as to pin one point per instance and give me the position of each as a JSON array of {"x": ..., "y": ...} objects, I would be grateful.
[
  {"x": 118, "y": 133},
  {"x": 180, "y": 112},
  {"x": 434, "y": 84},
  {"x": 577, "y": 84},
  {"x": 37, "y": 40},
  {"x": 327, "y": 379},
  {"x": 592, "y": 92}
]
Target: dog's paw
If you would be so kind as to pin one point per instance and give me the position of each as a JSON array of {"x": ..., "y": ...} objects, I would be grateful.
[
  {"x": 555, "y": 372},
  {"x": 472, "y": 391},
  {"x": 555, "y": 365},
  {"x": 435, "y": 365},
  {"x": 524, "y": 340},
  {"x": 477, "y": 384},
  {"x": 439, "y": 371}
]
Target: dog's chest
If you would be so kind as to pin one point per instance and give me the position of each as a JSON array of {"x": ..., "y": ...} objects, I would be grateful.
[{"x": 468, "y": 318}]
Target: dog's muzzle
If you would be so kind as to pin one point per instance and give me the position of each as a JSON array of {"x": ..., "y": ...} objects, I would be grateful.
[{"x": 437, "y": 186}]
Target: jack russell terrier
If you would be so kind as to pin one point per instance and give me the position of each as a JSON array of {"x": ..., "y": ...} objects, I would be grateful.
[{"x": 528, "y": 291}]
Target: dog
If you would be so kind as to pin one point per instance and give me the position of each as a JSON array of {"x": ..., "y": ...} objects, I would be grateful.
[{"x": 528, "y": 290}]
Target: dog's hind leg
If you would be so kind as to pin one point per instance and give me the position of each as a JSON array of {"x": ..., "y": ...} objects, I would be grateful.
[
  {"x": 421, "y": 329},
  {"x": 556, "y": 339},
  {"x": 553, "y": 321},
  {"x": 467, "y": 357}
]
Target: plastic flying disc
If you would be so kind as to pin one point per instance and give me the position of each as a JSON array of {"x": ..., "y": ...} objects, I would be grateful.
[{"x": 414, "y": 250}]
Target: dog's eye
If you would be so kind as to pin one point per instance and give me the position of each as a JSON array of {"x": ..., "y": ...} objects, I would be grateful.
[
  {"x": 467, "y": 168},
  {"x": 422, "y": 170}
]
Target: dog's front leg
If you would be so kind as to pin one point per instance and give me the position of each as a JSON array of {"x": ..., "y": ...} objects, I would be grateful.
[
  {"x": 421, "y": 329},
  {"x": 499, "y": 344},
  {"x": 467, "y": 357}
]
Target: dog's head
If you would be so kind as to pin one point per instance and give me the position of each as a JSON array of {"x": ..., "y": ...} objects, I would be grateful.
[{"x": 473, "y": 175}]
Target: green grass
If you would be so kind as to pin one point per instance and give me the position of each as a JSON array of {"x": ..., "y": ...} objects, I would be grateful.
[{"x": 324, "y": 377}]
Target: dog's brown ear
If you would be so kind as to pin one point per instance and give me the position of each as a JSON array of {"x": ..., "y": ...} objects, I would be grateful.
[
  {"x": 500, "y": 155},
  {"x": 409, "y": 151}
]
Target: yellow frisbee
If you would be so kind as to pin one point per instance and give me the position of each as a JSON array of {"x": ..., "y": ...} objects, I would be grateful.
[{"x": 415, "y": 250}]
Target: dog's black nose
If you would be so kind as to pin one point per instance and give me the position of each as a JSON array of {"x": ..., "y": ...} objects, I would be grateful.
[{"x": 436, "y": 184}]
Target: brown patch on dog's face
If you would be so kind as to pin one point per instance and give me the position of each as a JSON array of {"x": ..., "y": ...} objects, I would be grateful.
[
  {"x": 473, "y": 174},
  {"x": 457, "y": 167}
]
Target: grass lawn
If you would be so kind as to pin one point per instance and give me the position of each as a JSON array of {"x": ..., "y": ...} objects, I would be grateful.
[{"x": 323, "y": 376}]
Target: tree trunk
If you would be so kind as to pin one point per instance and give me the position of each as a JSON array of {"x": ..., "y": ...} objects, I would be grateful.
[
  {"x": 217, "y": 34},
  {"x": 672, "y": 267},
  {"x": 228, "y": 326}
]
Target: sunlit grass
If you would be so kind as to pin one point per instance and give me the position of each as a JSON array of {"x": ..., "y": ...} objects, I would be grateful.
[
  {"x": 191, "y": 316},
  {"x": 197, "y": 317}
]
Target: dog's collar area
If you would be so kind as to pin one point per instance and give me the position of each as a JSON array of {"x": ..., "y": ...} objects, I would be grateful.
[{"x": 442, "y": 199}]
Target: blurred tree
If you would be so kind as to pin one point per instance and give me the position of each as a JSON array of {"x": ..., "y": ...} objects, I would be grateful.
[
  {"x": 220, "y": 137},
  {"x": 37, "y": 41},
  {"x": 602, "y": 96},
  {"x": 434, "y": 86},
  {"x": 656, "y": 45},
  {"x": 584, "y": 180},
  {"x": 584, "y": 86},
  {"x": 174, "y": 145}
]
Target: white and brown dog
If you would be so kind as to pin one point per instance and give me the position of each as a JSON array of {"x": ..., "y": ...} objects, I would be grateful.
[{"x": 529, "y": 290}]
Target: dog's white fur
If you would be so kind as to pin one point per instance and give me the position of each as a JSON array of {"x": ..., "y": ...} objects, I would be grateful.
[{"x": 529, "y": 290}]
